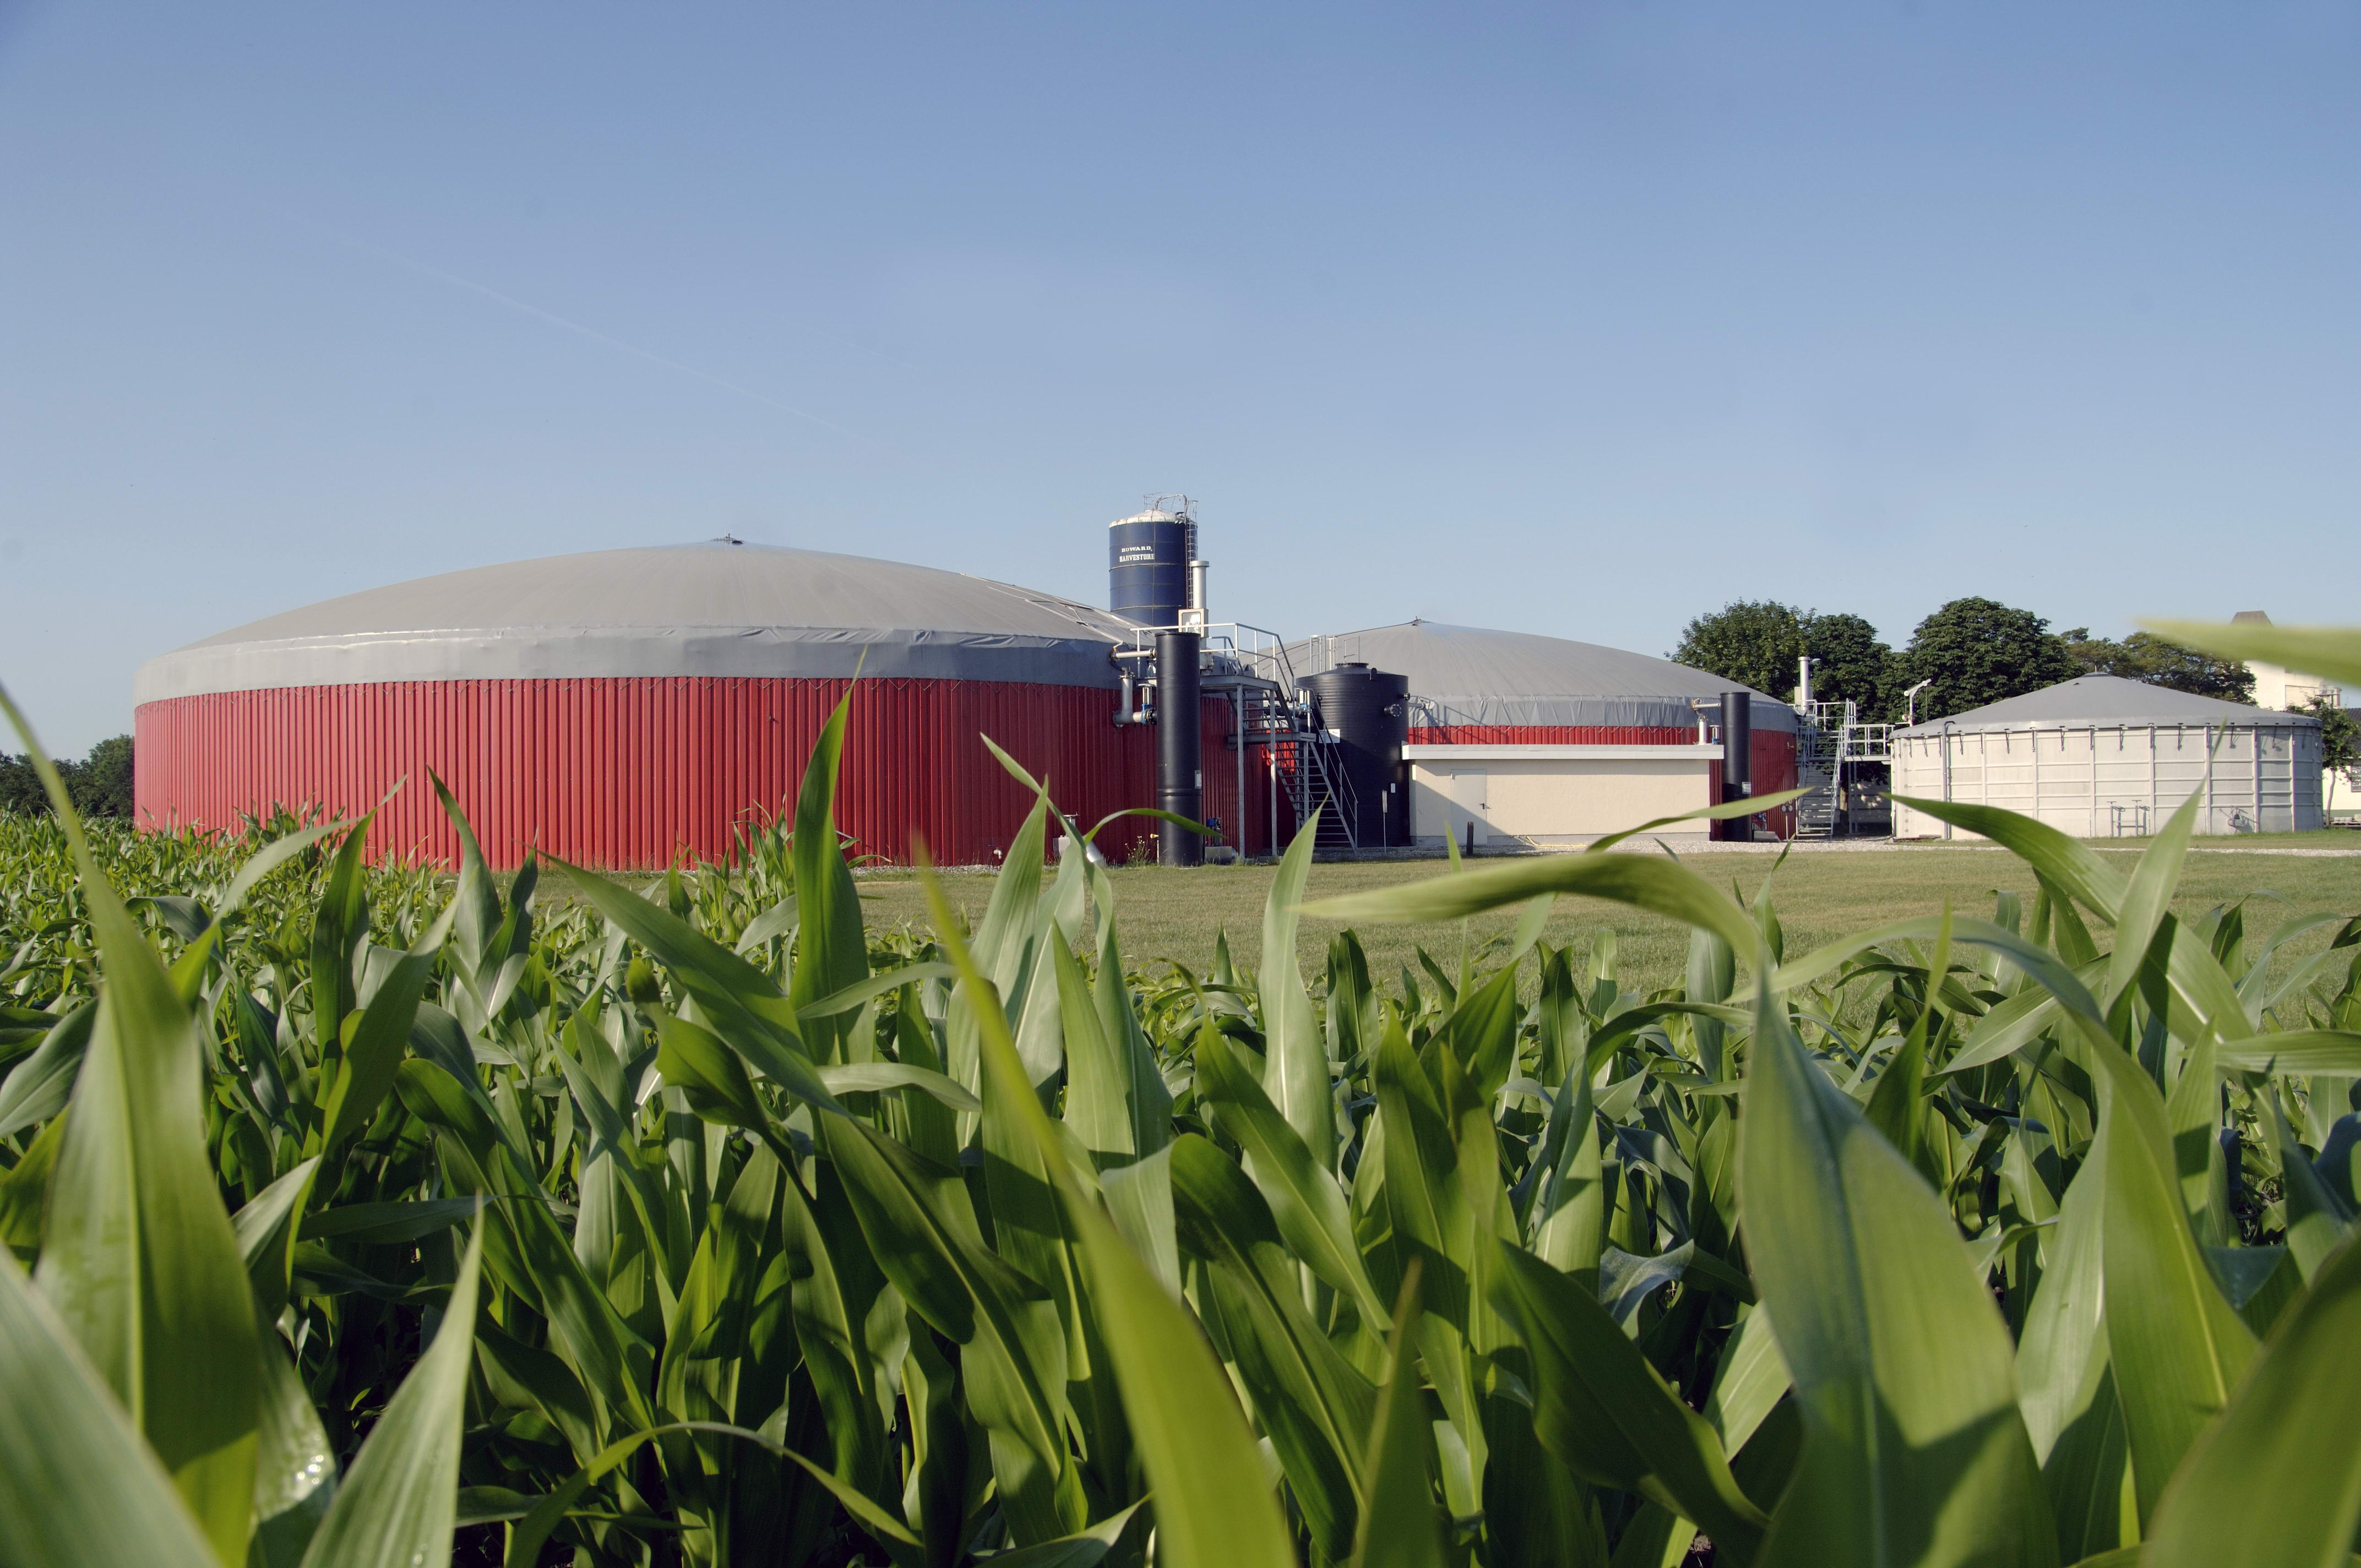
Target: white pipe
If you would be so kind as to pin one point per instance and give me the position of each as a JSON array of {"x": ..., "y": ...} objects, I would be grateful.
[{"x": 1238, "y": 738}]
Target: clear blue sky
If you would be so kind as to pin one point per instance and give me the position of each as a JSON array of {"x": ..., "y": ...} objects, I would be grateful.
[{"x": 1573, "y": 319}]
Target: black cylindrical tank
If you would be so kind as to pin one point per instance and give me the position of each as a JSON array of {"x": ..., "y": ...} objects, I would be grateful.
[
  {"x": 1737, "y": 758},
  {"x": 1369, "y": 711},
  {"x": 1148, "y": 567},
  {"x": 1180, "y": 746}
]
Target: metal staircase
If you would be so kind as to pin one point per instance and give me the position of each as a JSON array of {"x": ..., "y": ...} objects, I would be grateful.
[
  {"x": 1830, "y": 738},
  {"x": 1310, "y": 774},
  {"x": 1278, "y": 718}
]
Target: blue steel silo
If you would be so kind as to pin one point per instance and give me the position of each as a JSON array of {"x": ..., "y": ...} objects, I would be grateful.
[{"x": 1148, "y": 564}]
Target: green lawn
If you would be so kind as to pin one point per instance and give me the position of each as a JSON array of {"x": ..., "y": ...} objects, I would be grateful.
[
  {"x": 1176, "y": 915},
  {"x": 2340, "y": 838}
]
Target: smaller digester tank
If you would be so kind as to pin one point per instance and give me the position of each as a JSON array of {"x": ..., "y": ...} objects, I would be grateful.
[
  {"x": 1369, "y": 712},
  {"x": 1147, "y": 565}
]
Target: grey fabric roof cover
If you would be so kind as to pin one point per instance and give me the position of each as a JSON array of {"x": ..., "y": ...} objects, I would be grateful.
[
  {"x": 719, "y": 609},
  {"x": 1468, "y": 676},
  {"x": 2107, "y": 701}
]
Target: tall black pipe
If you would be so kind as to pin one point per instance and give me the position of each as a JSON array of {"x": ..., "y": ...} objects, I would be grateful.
[
  {"x": 1179, "y": 747},
  {"x": 1736, "y": 749}
]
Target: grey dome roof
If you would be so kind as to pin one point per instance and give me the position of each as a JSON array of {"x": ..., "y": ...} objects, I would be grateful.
[
  {"x": 718, "y": 608},
  {"x": 1469, "y": 675},
  {"x": 2107, "y": 701}
]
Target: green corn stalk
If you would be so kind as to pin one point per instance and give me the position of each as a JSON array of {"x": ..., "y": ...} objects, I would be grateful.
[{"x": 362, "y": 1211}]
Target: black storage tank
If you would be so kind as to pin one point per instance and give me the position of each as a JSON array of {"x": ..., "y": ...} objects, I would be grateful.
[
  {"x": 1147, "y": 566},
  {"x": 1369, "y": 711}
]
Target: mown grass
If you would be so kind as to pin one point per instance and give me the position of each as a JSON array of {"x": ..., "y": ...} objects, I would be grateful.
[
  {"x": 2342, "y": 839},
  {"x": 1179, "y": 915}
]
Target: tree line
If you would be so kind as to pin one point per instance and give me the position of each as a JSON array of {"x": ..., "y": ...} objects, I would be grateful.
[
  {"x": 100, "y": 784},
  {"x": 1971, "y": 652}
]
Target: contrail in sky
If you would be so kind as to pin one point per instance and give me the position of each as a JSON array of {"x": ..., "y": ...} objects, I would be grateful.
[{"x": 568, "y": 324}]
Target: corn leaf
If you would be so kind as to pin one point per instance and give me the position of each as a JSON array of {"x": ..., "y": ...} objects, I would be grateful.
[
  {"x": 831, "y": 949},
  {"x": 1400, "y": 1529},
  {"x": 1663, "y": 887},
  {"x": 78, "y": 1486},
  {"x": 397, "y": 1506},
  {"x": 1908, "y": 1457},
  {"x": 1606, "y": 1413},
  {"x": 2178, "y": 1346},
  {"x": 1304, "y": 1196},
  {"x": 139, "y": 1257},
  {"x": 1297, "y": 1075},
  {"x": 1215, "y": 1506},
  {"x": 2291, "y": 1436},
  {"x": 2332, "y": 651}
]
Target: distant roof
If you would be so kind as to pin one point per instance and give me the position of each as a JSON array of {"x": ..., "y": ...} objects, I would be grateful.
[
  {"x": 714, "y": 608},
  {"x": 2107, "y": 700},
  {"x": 2250, "y": 618},
  {"x": 1469, "y": 675}
]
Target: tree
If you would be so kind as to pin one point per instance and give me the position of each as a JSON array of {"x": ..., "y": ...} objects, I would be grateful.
[
  {"x": 1753, "y": 643},
  {"x": 1758, "y": 643},
  {"x": 2339, "y": 739},
  {"x": 99, "y": 785},
  {"x": 20, "y": 787},
  {"x": 1849, "y": 663},
  {"x": 1977, "y": 651},
  {"x": 2144, "y": 656}
]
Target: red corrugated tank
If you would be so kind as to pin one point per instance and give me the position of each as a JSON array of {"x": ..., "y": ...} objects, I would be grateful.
[{"x": 626, "y": 707}]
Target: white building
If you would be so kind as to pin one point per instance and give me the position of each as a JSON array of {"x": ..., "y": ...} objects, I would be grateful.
[
  {"x": 2279, "y": 688},
  {"x": 2103, "y": 757},
  {"x": 1523, "y": 742}
]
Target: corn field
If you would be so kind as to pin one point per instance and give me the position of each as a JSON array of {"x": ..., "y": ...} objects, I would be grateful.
[{"x": 368, "y": 1215}]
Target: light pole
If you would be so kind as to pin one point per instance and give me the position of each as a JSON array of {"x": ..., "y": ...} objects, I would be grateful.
[{"x": 1911, "y": 698}]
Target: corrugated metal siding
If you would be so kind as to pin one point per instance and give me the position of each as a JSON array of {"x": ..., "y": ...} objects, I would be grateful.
[
  {"x": 1245, "y": 825},
  {"x": 1555, "y": 735},
  {"x": 633, "y": 772},
  {"x": 2108, "y": 780},
  {"x": 1770, "y": 763},
  {"x": 1770, "y": 767}
]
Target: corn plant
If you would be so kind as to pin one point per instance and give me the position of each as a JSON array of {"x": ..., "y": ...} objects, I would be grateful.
[{"x": 369, "y": 1214}]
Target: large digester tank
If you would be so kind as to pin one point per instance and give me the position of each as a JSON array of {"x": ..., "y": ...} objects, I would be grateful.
[
  {"x": 1368, "y": 711},
  {"x": 621, "y": 707},
  {"x": 1147, "y": 566}
]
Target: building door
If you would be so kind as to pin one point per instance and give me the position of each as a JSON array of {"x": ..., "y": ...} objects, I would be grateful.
[{"x": 1471, "y": 792}]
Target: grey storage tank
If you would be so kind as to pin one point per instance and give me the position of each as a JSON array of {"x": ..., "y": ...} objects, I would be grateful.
[
  {"x": 1368, "y": 709},
  {"x": 1147, "y": 565}
]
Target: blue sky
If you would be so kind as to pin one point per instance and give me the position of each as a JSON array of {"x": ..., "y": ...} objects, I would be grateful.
[{"x": 1573, "y": 319}]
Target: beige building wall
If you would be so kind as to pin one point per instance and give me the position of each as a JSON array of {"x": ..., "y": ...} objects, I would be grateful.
[
  {"x": 2116, "y": 781},
  {"x": 1555, "y": 796}
]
